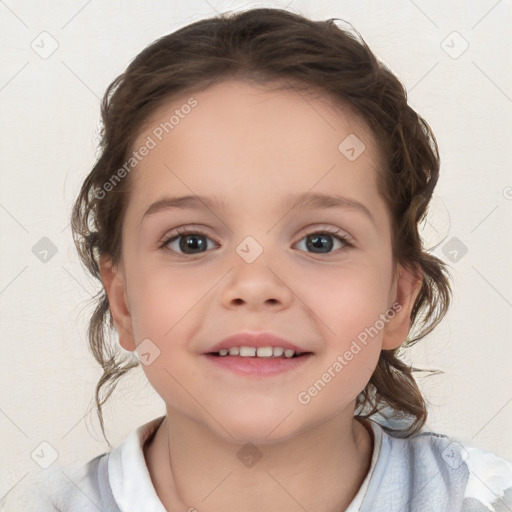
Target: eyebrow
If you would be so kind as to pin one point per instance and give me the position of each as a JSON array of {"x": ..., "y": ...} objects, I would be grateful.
[{"x": 306, "y": 200}]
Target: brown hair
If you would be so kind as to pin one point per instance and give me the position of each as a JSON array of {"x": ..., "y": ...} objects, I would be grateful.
[{"x": 270, "y": 45}]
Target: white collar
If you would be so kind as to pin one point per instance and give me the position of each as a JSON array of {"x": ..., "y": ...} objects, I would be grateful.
[
  {"x": 133, "y": 489},
  {"x": 378, "y": 433}
]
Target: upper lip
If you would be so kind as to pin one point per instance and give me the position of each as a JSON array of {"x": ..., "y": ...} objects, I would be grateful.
[{"x": 250, "y": 339}]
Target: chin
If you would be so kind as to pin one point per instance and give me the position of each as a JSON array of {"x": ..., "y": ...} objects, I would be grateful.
[{"x": 256, "y": 426}]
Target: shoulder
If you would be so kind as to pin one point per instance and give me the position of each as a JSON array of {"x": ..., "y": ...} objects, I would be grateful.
[
  {"x": 489, "y": 476},
  {"x": 111, "y": 481},
  {"x": 434, "y": 470},
  {"x": 490, "y": 479},
  {"x": 63, "y": 488}
]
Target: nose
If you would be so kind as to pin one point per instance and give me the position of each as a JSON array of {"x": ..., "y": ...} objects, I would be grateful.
[{"x": 256, "y": 286}]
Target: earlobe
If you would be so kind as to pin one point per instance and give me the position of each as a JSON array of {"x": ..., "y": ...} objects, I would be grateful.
[
  {"x": 115, "y": 287},
  {"x": 408, "y": 285}
]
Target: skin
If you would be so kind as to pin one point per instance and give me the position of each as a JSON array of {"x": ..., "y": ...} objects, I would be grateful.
[{"x": 254, "y": 146}]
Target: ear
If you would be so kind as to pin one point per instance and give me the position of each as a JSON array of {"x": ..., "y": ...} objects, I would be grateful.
[
  {"x": 114, "y": 283},
  {"x": 407, "y": 287}
]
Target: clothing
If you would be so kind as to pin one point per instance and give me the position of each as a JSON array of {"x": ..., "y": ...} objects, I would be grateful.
[{"x": 426, "y": 472}]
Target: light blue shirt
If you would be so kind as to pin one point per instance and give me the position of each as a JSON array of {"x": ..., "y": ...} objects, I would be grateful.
[{"x": 426, "y": 472}]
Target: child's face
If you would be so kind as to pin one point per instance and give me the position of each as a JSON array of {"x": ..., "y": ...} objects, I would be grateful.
[{"x": 255, "y": 149}]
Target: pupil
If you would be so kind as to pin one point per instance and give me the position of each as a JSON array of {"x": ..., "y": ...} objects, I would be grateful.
[
  {"x": 191, "y": 242},
  {"x": 319, "y": 241},
  {"x": 315, "y": 243}
]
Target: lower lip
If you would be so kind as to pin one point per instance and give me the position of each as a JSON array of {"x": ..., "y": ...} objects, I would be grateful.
[{"x": 258, "y": 366}]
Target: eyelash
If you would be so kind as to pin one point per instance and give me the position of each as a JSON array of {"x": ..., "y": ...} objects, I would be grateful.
[{"x": 181, "y": 232}]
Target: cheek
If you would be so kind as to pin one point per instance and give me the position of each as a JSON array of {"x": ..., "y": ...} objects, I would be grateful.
[
  {"x": 347, "y": 299},
  {"x": 348, "y": 308},
  {"x": 163, "y": 298},
  {"x": 164, "y": 309}
]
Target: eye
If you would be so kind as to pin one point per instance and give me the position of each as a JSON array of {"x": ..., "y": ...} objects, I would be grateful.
[
  {"x": 323, "y": 241},
  {"x": 190, "y": 242},
  {"x": 186, "y": 242}
]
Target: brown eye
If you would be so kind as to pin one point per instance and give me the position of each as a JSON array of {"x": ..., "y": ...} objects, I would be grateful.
[
  {"x": 187, "y": 242},
  {"x": 324, "y": 242}
]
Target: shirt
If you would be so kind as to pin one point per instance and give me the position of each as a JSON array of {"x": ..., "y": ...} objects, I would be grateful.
[{"x": 426, "y": 472}]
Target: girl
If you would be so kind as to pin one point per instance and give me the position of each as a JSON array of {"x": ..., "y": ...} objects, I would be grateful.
[{"x": 253, "y": 218}]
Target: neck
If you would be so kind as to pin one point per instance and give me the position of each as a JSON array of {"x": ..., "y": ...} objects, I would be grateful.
[{"x": 321, "y": 469}]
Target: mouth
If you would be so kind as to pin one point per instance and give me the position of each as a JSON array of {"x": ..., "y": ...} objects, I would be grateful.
[
  {"x": 258, "y": 362},
  {"x": 259, "y": 352}
]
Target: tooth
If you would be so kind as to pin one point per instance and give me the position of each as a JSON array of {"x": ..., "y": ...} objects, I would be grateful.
[
  {"x": 257, "y": 352},
  {"x": 247, "y": 351},
  {"x": 264, "y": 351}
]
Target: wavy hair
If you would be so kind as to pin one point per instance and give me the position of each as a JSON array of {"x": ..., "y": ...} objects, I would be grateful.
[{"x": 266, "y": 45}]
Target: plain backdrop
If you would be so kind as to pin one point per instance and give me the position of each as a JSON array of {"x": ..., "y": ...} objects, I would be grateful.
[{"x": 57, "y": 60}]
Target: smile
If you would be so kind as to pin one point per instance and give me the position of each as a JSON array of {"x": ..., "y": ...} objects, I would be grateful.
[
  {"x": 267, "y": 352},
  {"x": 258, "y": 362}
]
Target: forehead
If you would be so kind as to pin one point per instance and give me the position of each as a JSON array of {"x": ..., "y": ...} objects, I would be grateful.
[
  {"x": 256, "y": 108},
  {"x": 255, "y": 139}
]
